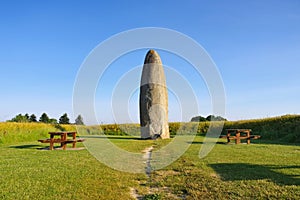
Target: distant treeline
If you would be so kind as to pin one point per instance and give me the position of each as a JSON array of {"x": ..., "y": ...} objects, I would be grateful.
[
  {"x": 64, "y": 119},
  {"x": 208, "y": 118}
]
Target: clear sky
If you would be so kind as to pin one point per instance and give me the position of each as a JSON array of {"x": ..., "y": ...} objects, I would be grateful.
[{"x": 255, "y": 45}]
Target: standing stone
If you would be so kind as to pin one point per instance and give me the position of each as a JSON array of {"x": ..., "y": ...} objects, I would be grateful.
[{"x": 153, "y": 99}]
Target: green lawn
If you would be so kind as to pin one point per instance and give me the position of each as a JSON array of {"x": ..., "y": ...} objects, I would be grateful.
[{"x": 256, "y": 171}]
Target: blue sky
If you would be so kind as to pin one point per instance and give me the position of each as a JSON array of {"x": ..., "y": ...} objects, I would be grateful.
[{"x": 255, "y": 45}]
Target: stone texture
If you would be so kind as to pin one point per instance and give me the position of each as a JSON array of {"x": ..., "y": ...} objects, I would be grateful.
[{"x": 153, "y": 99}]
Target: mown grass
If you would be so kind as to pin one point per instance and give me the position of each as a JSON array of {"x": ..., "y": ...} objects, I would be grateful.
[
  {"x": 28, "y": 173},
  {"x": 263, "y": 170},
  {"x": 256, "y": 171}
]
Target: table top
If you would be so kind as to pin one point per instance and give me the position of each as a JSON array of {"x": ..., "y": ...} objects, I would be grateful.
[
  {"x": 240, "y": 130},
  {"x": 62, "y": 132}
]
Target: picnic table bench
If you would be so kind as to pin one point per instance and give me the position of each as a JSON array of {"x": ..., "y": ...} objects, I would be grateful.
[
  {"x": 63, "y": 139},
  {"x": 238, "y": 135}
]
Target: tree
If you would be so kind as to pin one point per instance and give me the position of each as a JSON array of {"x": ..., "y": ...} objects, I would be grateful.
[
  {"x": 198, "y": 119},
  {"x": 208, "y": 118},
  {"x": 53, "y": 121},
  {"x": 64, "y": 119},
  {"x": 215, "y": 118},
  {"x": 79, "y": 120},
  {"x": 26, "y": 116},
  {"x": 44, "y": 118},
  {"x": 20, "y": 118},
  {"x": 32, "y": 118}
]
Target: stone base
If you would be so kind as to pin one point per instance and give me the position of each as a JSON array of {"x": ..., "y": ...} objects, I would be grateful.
[{"x": 147, "y": 133}]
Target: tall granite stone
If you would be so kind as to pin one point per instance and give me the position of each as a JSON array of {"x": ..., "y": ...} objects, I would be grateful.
[{"x": 153, "y": 99}]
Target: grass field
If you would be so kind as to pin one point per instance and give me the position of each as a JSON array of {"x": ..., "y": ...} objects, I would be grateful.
[{"x": 256, "y": 171}]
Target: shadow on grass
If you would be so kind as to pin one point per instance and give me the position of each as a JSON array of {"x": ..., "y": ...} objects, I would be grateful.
[
  {"x": 111, "y": 137},
  {"x": 196, "y": 142},
  {"x": 245, "y": 171},
  {"x": 253, "y": 141},
  {"x": 278, "y": 142},
  {"x": 123, "y": 138},
  {"x": 27, "y": 146}
]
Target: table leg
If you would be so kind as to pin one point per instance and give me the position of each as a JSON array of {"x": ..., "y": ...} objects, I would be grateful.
[
  {"x": 238, "y": 140},
  {"x": 228, "y": 137},
  {"x": 51, "y": 142},
  {"x": 248, "y": 137},
  {"x": 63, "y": 141},
  {"x": 74, "y": 140}
]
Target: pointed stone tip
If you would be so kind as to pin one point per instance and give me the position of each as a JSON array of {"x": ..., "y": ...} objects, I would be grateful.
[
  {"x": 152, "y": 57},
  {"x": 152, "y": 51}
]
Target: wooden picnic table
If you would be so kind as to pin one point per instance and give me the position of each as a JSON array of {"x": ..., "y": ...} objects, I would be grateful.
[
  {"x": 64, "y": 138},
  {"x": 238, "y": 135}
]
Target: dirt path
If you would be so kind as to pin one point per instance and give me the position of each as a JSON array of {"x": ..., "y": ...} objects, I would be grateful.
[{"x": 147, "y": 157}]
